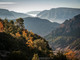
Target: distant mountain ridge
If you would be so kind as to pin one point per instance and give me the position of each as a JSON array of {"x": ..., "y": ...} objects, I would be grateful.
[
  {"x": 40, "y": 26},
  {"x": 67, "y": 35},
  {"x": 4, "y": 13},
  {"x": 59, "y": 14},
  {"x": 18, "y": 15},
  {"x": 37, "y": 25}
]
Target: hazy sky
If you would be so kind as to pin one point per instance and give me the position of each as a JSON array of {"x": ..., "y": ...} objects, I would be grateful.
[{"x": 37, "y": 5}]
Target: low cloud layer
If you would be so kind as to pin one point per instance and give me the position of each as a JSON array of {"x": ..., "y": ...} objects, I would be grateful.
[{"x": 2, "y": 3}]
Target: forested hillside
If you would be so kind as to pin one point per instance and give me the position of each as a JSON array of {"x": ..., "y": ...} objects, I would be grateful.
[
  {"x": 20, "y": 43},
  {"x": 67, "y": 35},
  {"x": 17, "y": 43}
]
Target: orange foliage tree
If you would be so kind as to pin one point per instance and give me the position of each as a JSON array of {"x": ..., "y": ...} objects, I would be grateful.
[
  {"x": 70, "y": 54},
  {"x": 18, "y": 34},
  {"x": 1, "y": 27},
  {"x": 30, "y": 42},
  {"x": 24, "y": 33}
]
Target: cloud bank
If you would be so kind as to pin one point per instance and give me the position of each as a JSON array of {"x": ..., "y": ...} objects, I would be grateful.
[{"x": 3, "y": 3}]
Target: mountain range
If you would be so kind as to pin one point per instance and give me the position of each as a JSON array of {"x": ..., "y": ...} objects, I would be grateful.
[
  {"x": 4, "y": 13},
  {"x": 19, "y": 39},
  {"x": 66, "y": 36},
  {"x": 39, "y": 26},
  {"x": 59, "y": 14}
]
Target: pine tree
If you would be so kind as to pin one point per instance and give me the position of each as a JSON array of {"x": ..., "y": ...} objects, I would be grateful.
[{"x": 20, "y": 23}]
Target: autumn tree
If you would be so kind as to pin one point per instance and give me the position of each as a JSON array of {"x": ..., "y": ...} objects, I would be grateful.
[
  {"x": 1, "y": 25},
  {"x": 9, "y": 27},
  {"x": 18, "y": 34},
  {"x": 35, "y": 57},
  {"x": 24, "y": 33},
  {"x": 71, "y": 54},
  {"x": 30, "y": 42},
  {"x": 40, "y": 44},
  {"x": 6, "y": 25}
]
